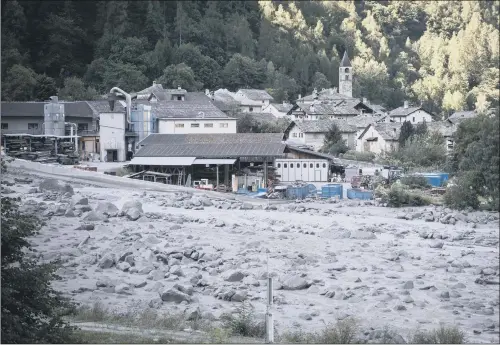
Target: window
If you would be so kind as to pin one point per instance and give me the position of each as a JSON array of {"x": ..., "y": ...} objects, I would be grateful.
[
  {"x": 32, "y": 125},
  {"x": 301, "y": 135},
  {"x": 285, "y": 165},
  {"x": 291, "y": 165},
  {"x": 179, "y": 98},
  {"x": 346, "y": 70},
  {"x": 208, "y": 125},
  {"x": 324, "y": 165},
  {"x": 346, "y": 77},
  {"x": 195, "y": 125},
  {"x": 5, "y": 126},
  {"x": 310, "y": 165},
  {"x": 317, "y": 165},
  {"x": 179, "y": 125},
  {"x": 250, "y": 109},
  {"x": 279, "y": 165},
  {"x": 263, "y": 102},
  {"x": 83, "y": 145},
  {"x": 223, "y": 125},
  {"x": 305, "y": 165},
  {"x": 294, "y": 135},
  {"x": 413, "y": 118},
  {"x": 83, "y": 127}
]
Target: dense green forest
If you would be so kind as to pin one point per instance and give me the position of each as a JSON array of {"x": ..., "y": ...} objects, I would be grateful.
[{"x": 444, "y": 54}]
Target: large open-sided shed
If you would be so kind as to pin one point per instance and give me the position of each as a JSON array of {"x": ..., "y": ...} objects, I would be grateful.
[{"x": 181, "y": 154}]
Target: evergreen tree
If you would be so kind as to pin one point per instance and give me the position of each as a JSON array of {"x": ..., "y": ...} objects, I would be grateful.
[
  {"x": 333, "y": 143},
  {"x": 407, "y": 131}
]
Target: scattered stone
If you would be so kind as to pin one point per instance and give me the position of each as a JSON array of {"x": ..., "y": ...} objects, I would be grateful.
[
  {"x": 80, "y": 201},
  {"x": 400, "y": 307},
  {"x": 155, "y": 303},
  {"x": 53, "y": 185},
  {"x": 107, "y": 261},
  {"x": 239, "y": 296},
  {"x": 436, "y": 244},
  {"x": 107, "y": 208},
  {"x": 133, "y": 214},
  {"x": 131, "y": 204},
  {"x": 305, "y": 316},
  {"x": 87, "y": 227},
  {"x": 123, "y": 289},
  {"x": 95, "y": 217},
  {"x": 234, "y": 276},
  {"x": 123, "y": 266},
  {"x": 141, "y": 284},
  {"x": 408, "y": 285}
]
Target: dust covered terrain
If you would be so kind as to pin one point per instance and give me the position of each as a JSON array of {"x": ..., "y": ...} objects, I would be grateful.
[{"x": 201, "y": 255}]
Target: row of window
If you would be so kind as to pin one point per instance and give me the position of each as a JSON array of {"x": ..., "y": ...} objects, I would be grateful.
[
  {"x": 205, "y": 125},
  {"x": 311, "y": 165},
  {"x": 301, "y": 135},
  {"x": 81, "y": 126}
]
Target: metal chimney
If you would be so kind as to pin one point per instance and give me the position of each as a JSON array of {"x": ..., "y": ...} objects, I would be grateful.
[{"x": 406, "y": 104}]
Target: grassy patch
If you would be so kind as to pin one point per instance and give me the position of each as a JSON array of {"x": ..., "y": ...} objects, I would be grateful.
[
  {"x": 93, "y": 337},
  {"x": 441, "y": 335},
  {"x": 244, "y": 323},
  {"x": 341, "y": 332},
  {"x": 149, "y": 318}
]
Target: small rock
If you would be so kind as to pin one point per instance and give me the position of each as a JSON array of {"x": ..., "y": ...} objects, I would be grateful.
[
  {"x": 408, "y": 285},
  {"x": 305, "y": 316},
  {"x": 123, "y": 289},
  {"x": 172, "y": 295},
  {"x": 436, "y": 244},
  {"x": 107, "y": 261}
]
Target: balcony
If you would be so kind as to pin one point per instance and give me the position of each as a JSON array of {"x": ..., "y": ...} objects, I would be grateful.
[{"x": 35, "y": 131}]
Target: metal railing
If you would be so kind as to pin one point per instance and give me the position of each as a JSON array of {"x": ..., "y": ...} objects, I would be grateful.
[{"x": 36, "y": 131}]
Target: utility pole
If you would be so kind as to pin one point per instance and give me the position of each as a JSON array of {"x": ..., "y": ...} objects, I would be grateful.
[{"x": 269, "y": 315}]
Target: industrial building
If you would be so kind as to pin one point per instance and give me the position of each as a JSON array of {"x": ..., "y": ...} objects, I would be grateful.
[{"x": 191, "y": 157}]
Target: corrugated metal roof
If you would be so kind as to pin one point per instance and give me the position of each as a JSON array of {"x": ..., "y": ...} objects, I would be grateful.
[
  {"x": 71, "y": 109},
  {"x": 212, "y": 145},
  {"x": 172, "y": 161},
  {"x": 213, "y": 161}
]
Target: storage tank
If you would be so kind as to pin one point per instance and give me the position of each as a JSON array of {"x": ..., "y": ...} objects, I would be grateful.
[
  {"x": 332, "y": 190},
  {"x": 54, "y": 117},
  {"x": 142, "y": 121}
]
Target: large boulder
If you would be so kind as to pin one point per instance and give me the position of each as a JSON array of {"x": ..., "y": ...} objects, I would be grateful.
[
  {"x": 234, "y": 276},
  {"x": 131, "y": 204},
  {"x": 95, "y": 217},
  {"x": 53, "y": 185},
  {"x": 294, "y": 282},
  {"x": 362, "y": 235},
  {"x": 172, "y": 295},
  {"x": 107, "y": 261},
  {"x": 107, "y": 208},
  {"x": 133, "y": 214}
]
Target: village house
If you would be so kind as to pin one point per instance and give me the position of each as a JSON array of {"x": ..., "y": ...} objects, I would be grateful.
[
  {"x": 312, "y": 133},
  {"x": 321, "y": 111},
  {"x": 279, "y": 110},
  {"x": 252, "y": 100},
  {"x": 411, "y": 114},
  {"x": 459, "y": 116},
  {"x": 379, "y": 138},
  {"x": 224, "y": 100},
  {"x": 445, "y": 128}
]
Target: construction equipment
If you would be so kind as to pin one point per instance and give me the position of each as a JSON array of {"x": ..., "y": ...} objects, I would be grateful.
[{"x": 203, "y": 184}]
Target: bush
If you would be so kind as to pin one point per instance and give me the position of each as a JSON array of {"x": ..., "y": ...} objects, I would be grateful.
[
  {"x": 399, "y": 195},
  {"x": 462, "y": 194},
  {"x": 415, "y": 182},
  {"x": 32, "y": 311},
  {"x": 359, "y": 156},
  {"x": 244, "y": 322},
  {"x": 343, "y": 332},
  {"x": 442, "y": 335}
]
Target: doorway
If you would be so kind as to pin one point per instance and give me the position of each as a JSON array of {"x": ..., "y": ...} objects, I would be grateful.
[{"x": 111, "y": 155}]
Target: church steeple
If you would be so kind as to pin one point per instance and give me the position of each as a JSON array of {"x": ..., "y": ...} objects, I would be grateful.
[{"x": 345, "y": 76}]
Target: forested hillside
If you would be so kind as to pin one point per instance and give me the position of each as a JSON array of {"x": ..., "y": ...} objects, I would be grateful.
[{"x": 442, "y": 53}]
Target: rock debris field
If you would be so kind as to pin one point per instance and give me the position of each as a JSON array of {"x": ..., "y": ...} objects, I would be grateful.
[{"x": 182, "y": 252}]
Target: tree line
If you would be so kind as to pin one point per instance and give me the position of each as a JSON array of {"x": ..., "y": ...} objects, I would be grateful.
[{"x": 443, "y": 54}]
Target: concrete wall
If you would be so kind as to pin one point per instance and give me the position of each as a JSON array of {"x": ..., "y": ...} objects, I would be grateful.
[
  {"x": 167, "y": 126},
  {"x": 112, "y": 135},
  {"x": 416, "y": 117}
]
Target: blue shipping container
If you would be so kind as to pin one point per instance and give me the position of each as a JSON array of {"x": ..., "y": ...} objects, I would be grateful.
[
  {"x": 297, "y": 192},
  {"x": 332, "y": 191},
  {"x": 444, "y": 177},
  {"x": 355, "y": 193},
  {"x": 435, "y": 180}
]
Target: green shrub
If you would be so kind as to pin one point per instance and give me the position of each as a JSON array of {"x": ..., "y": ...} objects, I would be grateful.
[
  {"x": 442, "y": 335},
  {"x": 461, "y": 195},
  {"x": 415, "y": 182},
  {"x": 399, "y": 195},
  {"x": 359, "y": 156},
  {"x": 244, "y": 322},
  {"x": 343, "y": 332}
]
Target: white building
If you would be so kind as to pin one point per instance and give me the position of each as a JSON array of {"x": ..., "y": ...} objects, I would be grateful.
[
  {"x": 192, "y": 125},
  {"x": 277, "y": 109},
  {"x": 112, "y": 137},
  {"x": 252, "y": 100},
  {"x": 411, "y": 114},
  {"x": 312, "y": 133},
  {"x": 380, "y": 137},
  {"x": 322, "y": 111},
  {"x": 345, "y": 76},
  {"x": 309, "y": 170}
]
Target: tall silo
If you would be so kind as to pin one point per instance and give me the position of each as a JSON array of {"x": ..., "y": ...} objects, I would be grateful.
[{"x": 54, "y": 117}]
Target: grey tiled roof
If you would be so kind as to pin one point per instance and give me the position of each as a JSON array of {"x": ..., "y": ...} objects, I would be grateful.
[
  {"x": 212, "y": 145},
  {"x": 345, "y": 60},
  {"x": 389, "y": 130},
  {"x": 185, "y": 109},
  {"x": 327, "y": 109},
  {"x": 462, "y": 115},
  {"x": 402, "y": 111},
  {"x": 322, "y": 126},
  {"x": 362, "y": 121},
  {"x": 256, "y": 95},
  {"x": 444, "y": 127},
  {"x": 284, "y": 108},
  {"x": 71, "y": 109},
  {"x": 326, "y": 94}
]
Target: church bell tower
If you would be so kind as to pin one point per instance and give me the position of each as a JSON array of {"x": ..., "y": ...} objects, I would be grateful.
[{"x": 345, "y": 76}]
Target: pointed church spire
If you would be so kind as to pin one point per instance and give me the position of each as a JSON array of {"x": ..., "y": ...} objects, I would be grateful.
[{"x": 345, "y": 60}]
